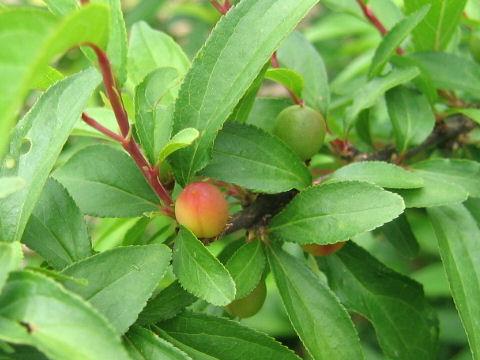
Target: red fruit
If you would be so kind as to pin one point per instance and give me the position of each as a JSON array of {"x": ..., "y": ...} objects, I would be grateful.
[
  {"x": 323, "y": 250},
  {"x": 202, "y": 209}
]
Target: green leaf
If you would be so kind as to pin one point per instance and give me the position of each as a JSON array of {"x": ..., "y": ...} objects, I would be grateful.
[
  {"x": 411, "y": 116},
  {"x": 437, "y": 28},
  {"x": 379, "y": 173},
  {"x": 289, "y": 78},
  {"x": 224, "y": 69},
  {"x": 199, "y": 272},
  {"x": 105, "y": 182},
  {"x": 246, "y": 266},
  {"x": 150, "y": 49},
  {"x": 255, "y": 159},
  {"x": 368, "y": 95},
  {"x": 167, "y": 304},
  {"x": 265, "y": 111},
  {"x": 47, "y": 78},
  {"x": 451, "y": 72},
  {"x": 319, "y": 319},
  {"x": 36, "y": 143},
  {"x": 117, "y": 36},
  {"x": 120, "y": 280},
  {"x": 142, "y": 344},
  {"x": 394, "y": 39},
  {"x": 154, "y": 98},
  {"x": 60, "y": 324},
  {"x": 10, "y": 257},
  {"x": 180, "y": 140},
  {"x": 399, "y": 234},
  {"x": 458, "y": 234},
  {"x": 405, "y": 324},
  {"x": 437, "y": 191},
  {"x": 10, "y": 185},
  {"x": 335, "y": 212},
  {"x": 462, "y": 172},
  {"x": 434, "y": 280},
  {"x": 298, "y": 54},
  {"x": 33, "y": 38},
  {"x": 208, "y": 337},
  {"x": 56, "y": 229}
]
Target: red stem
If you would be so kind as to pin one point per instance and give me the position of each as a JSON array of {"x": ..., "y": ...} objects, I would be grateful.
[
  {"x": 370, "y": 15},
  {"x": 127, "y": 140},
  {"x": 222, "y": 9},
  {"x": 101, "y": 128}
]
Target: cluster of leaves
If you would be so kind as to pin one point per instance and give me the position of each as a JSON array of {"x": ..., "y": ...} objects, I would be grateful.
[{"x": 96, "y": 277}]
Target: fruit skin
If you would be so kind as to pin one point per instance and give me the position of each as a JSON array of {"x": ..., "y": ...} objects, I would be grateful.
[
  {"x": 202, "y": 208},
  {"x": 250, "y": 304},
  {"x": 475, "y": 45},
  {"x": 302, "y": 128},
  {"x": 323, "y": 250}
]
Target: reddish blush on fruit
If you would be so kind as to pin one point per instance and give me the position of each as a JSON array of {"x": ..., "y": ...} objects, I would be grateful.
[
  {"x": 202, "y": 208},
  {"x": 323, "y": 250}
]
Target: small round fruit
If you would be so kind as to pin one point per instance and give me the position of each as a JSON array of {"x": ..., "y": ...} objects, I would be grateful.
[
  {"x": 250, "y": 304},
  {"x": 475, "y": 45},
  {"x": 302, "y": 128},
  {"x": 323, "y": 250},
  {"x": 202, "y": 209}
]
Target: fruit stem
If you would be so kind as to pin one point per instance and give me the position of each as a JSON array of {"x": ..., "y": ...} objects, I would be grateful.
[
  {"x": 370, "y": 15},
  {"x": 126, "y": 139}
]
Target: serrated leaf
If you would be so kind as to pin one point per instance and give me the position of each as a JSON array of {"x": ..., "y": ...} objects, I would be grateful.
[
  {"x": 200, "y": 272},
  {"x": 393, "y": 40},
  {"x": 380, "y": 173},
  {"x": 36, "y": 143},
  {"x": 411, "y": 116},
  {"x": 334, "y": 212},
  {"x": 106, "y": 182},
  {"x": 458, "y": 234},
  {"x": 143, "y": 344},
  {"x": 57, "y": 322},
  {"x": 56, "y": 229},
  {"x": 154, "y": 98},
  {"x": 224, "y": 69},
  {"x": 462, "y": 172},
  {"x": 33, "y": 38},
  {"x": 435, "y": 192},
  {"x": 405, "y": 323},
  {"x": 297, "y": 53},
  {"x": 437, "y": 28},
  {"x": 206, "y": 337},
  {"x": 10, "y": 256},
  {"x": 120, "y": 280},
  {"x": 316, "y": 314},
  {"x": 369, "y": 94},
  {"x": 399, "y": 234},
  {"x": 180, "y": 140},
  {"x": 246, "y": 266},
  {"x": 450, "y": 71},
  {"x": 151, "y": 49},
  {"x": 10, "y": 185},
  {"x": 255, "y": 159},
  {"x": 167, "y": 304},
  {"x": 287, "y": 77}
]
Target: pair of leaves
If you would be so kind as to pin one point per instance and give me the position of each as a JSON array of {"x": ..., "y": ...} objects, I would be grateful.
[
  {"x": 447, "y": 181},
  {"x": 224, "y": 69},
  {"x": 406, "y": 325}
]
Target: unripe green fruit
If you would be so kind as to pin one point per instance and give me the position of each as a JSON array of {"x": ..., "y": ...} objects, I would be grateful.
[
  {"x": 301, "y": 128},
  {"x": 202, "y": 209},
  {"x": 475, "y": 45},
  {"x": 250, "y": 304},
  {"x": 323, "y": 250}
]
